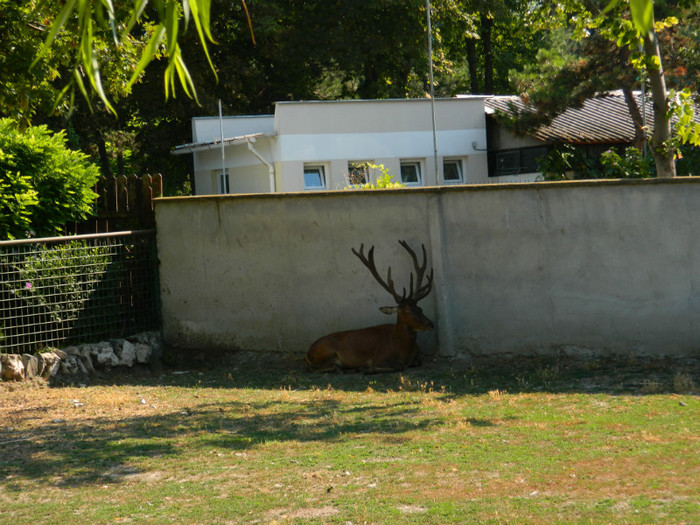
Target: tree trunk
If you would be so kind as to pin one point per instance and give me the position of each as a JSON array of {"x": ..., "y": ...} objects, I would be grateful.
[
  {"x": 104, "y": 158},
  {"x": 637, "y": 120},
  {"x": 661, "y": 147},
  {"x": 486, "y": 31},
  {"x": 473, "y": 63}
]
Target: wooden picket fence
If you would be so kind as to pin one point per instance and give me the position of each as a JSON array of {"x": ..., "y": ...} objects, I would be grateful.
[{"x": 123, "y": 203}]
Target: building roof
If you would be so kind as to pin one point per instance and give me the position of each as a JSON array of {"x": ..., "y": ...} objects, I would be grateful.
[
  {"x": 232, "y": 141},
  {"x": 601, "y": 120}
]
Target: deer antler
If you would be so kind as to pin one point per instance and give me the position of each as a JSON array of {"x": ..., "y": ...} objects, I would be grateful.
[
  {"x": 421, "y": 290},
  {"x": 369, "y": 263}
]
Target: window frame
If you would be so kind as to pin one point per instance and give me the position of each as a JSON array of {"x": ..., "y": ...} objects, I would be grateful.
[
  {"x": 321, "y": 169},
  {"x": 460, "y": 169},
  {"x": 419, "y": 172},
  {"x": 519, "y": 158}
]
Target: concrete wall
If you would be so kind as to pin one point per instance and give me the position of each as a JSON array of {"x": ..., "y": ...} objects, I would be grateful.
[{"x": 583, "y": 267}]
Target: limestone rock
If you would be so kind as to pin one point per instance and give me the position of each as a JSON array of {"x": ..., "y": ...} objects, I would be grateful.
[
  {"x": 143, "y": 352},
  {"x": 72, "y": 365},
  {"x": 86, "y": 360},
  {"x": 49, "y": 364},
  {"x": 104, "y": 353},
  {"x": 72, "y": 350},
  {"x": 126, "y": 353},
  {"x": 31, "y": 366},
  {"x": 12, "y": 367}
]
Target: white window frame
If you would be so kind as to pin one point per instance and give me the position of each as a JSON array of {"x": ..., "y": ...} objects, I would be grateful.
[
  {"x": 223, "y": 183},
  {"x": 321, "y": 169},
  {"x": 419, "y": 171},
  {"x": 460, "y": 170}
]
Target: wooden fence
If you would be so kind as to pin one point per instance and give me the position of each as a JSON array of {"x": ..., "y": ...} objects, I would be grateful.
[{"x": 123, "y": 203}]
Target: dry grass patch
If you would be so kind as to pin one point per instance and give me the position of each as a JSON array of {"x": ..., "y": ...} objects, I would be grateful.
[{"x": 433, "y": 446}]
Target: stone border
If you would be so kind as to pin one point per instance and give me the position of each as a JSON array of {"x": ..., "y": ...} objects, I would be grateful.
[{"x": 84, "y": 359}]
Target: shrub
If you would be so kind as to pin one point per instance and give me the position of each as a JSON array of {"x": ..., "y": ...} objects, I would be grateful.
[
  {"x": 688, "y": 162},
  {"x": 59, "y": 280},
  {"x": 17, "y": 198},
  {"x": 44, "y": 184},
  {"x": 630, "y": 164},
  {"x": 385, "y": 180},
  {"x": 565, "y": 161}
]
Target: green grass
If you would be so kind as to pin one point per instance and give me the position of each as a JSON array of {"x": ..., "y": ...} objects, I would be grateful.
[{"x": 540, "y": 443}]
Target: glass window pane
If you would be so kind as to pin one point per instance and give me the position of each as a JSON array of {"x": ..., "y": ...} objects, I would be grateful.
[
  {"x": 313, "y": 177},
  {"x": 410, "y": 173},
  {"x": 453, "y": 170},
  {"x": 508, "y": 163},
  {"x": 529, "y": 158}
]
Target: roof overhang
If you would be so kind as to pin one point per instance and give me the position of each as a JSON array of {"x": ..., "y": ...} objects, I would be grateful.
[{"x": 214, "y": 144}]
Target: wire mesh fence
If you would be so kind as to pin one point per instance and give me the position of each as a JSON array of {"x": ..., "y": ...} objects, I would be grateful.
[{"x": 78, "y": 289}]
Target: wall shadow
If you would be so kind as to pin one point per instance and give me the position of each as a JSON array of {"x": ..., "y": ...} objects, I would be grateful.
[
  {"x": 99, "y": 450},
  {"x": 472, "y": 376}
]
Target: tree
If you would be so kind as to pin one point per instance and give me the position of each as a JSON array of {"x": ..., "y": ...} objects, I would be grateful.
[
  {"x": 160, "y": 20},
  {"x": 25, "y": 93},
  {"x": 597, "y": 40},
  {"x": 44, "y": 184},
  {"x": 501, "y": 43}
]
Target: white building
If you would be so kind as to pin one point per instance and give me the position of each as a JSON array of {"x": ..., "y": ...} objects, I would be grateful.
[{"x": 317, "y": 145}]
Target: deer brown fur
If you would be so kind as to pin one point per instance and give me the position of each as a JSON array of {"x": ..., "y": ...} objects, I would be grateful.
[{"x": 382, "y": 348}]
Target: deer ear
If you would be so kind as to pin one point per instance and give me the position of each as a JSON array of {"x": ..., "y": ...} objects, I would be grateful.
[{"x": 389, "y": 309}]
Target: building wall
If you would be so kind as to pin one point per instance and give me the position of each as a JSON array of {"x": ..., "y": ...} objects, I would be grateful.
[
  {"x": 577, "y": 267},
  {"x": 333, "y": 133}
]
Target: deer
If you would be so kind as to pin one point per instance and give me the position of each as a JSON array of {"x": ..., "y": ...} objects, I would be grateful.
[{"x": 385, "y": 347}]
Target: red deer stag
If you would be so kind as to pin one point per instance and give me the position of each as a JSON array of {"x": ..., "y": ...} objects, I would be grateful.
[{"x": 382, "y": 348}]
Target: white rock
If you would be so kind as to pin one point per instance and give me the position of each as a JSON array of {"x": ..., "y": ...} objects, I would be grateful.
[
  {"x": 12, "y": 367},
  {"x": 86, "y": 360},
  {"x": 73, "y": 350},
  {"x": 127, "y": 353},
  {"x": 31, "y": 365},
  {"x": 143, "y": 352},
  {"x": 70, "y": 365},
  {"x": 104, "y": 353},
  {"x": 50, "y": 364}
]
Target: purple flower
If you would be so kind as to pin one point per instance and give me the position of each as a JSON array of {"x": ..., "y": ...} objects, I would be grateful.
[{"x": 28, "y": 286}]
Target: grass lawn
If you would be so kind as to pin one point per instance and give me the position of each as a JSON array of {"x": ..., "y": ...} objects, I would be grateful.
[{"x": 525, "y": 442}]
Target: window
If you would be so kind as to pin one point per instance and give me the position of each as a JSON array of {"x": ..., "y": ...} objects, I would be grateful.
[
  {"x": 358, "y": 173},
  {"x": 410, "y": 173},
  {"x": 314, "y": 177},
  {"x": 508, "y": 162},
  {"x": 515, "y": 161},
  {"x": 222, "y": 182},
  {"x": 452, "y": 170}
]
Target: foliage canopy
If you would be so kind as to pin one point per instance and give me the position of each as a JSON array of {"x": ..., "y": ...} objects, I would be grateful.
[{"x": 44, "y": 184}]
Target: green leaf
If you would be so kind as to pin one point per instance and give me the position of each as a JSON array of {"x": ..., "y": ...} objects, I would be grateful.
[
  {"x": 642, "y": 15},
  {"x": 81, "y": 85},
  {"x": 56, "y": 26},
  {"x": 201, "y": 22},
  {"x": 148, "y": 53},
  {"x": 139, "y": 6}
]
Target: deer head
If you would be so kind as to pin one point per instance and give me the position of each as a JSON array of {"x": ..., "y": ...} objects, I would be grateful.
[{"x": 406, "y": 308}]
